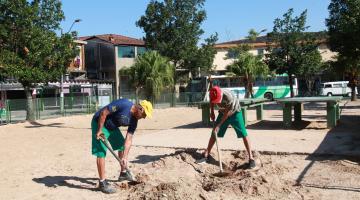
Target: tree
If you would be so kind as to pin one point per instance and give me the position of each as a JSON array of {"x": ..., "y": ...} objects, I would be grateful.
[
  {"x": 249, "y": 66},
  {"x": 310, "y": 65},
  {"x": 246, "y": 64},
  {"x": 343, "y": 24},
  {"x": 151, "y": 72},
  {"x": 172, "y": 28},
  {"x": 30, "y": 50},
  {"x": 290, "y": 48}
]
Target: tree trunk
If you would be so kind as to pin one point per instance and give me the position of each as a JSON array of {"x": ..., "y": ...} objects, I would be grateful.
[
  {"x": 251, "y": 89},
  {"x": 247, "y": 92},
  {"x": 137, "y": 95},
  {"x": 353, "y": 85},
  {"x": 30, "y": 114},
  {"x": 291, "y": 86},
  {"x": 309, "y": 86}
]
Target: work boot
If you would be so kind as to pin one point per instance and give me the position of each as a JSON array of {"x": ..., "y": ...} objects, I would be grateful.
[
  {"x": 106, "y": 188},
  {"x": 251, "y": 164},
  {"x": 126, "y": 176},
  {"x": 202, "y": 160}
]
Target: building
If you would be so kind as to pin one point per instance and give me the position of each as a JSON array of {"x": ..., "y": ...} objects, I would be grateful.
[
  {"x": 73, "y": 84},
  {"x": 259, "y": 48},
  {"x": 107, "y": 54},
  {"x": 77, "y": 69}
]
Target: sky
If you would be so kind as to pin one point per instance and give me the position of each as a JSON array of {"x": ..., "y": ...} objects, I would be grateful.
[{"x": 231, "y": 19}]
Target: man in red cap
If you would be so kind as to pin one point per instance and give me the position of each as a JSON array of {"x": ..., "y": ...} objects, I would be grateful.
[{"x": 229, "y": 114}]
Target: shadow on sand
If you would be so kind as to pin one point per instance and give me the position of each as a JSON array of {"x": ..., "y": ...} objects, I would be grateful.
[
  {"x": 68, "y": 181},
  {"x": 35, "y": 124},
  {"x": 341, "y": 143},
  {"x": 144, "y": 159}
]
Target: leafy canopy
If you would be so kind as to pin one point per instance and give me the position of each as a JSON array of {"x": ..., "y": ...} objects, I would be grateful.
[
  {"x": 172, "y": 27},
  {"x": 151, "y": 72},
  {"x": 344, "y": 30},
  {"x": 291, "y": 49},
  {"x": 30, "y": 50}
]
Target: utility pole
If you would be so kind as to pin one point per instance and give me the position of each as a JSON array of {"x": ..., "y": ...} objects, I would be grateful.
[{"x": 62, "y": 100}]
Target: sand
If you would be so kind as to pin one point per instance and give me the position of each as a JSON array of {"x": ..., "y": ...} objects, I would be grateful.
[{"x": 51, "y": 159}]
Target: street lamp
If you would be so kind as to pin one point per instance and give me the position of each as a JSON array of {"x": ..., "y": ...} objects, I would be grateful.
[
  {"x": 62, "y": 75},
  {"x": 75, "y": 21}
]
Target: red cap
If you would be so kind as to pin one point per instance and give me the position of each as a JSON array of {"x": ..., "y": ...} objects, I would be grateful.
[{"x": 215, "y": 94}]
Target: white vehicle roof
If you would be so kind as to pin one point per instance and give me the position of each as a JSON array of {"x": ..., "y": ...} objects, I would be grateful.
[{"x": 335, "y": 82}]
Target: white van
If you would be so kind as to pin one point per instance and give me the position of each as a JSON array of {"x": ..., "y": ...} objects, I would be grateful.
[{"x": 335, "y": 88}]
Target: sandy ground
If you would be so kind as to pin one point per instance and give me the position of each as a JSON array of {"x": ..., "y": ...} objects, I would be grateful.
[{"x": 51, "y": 159}]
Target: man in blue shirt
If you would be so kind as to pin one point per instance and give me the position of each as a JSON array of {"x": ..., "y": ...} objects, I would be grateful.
[{"x": 105, "y": 123}]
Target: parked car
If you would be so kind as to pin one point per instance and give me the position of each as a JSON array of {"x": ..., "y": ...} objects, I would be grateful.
[{"x": 335, "y": 88}]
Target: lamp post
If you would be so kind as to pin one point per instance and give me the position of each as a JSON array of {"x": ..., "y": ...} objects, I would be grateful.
[{"x": 62, "y": 75}]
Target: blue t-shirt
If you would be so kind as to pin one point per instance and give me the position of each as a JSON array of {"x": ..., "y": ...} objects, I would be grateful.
[{"x": 119, "y": 115}]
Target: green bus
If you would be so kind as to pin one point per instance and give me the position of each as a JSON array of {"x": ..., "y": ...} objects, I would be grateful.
[{"x": 269, "y": 87}]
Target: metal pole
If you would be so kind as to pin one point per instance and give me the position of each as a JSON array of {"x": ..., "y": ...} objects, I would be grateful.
[{"x": 62, "y": 94}]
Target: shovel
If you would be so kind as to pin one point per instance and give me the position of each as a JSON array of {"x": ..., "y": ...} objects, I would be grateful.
[
  {"x": 106, "y": 143},
  {"x": 222, "y": 173}
]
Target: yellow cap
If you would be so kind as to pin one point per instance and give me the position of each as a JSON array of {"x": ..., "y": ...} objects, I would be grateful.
[{"x": 147, "y": 107}]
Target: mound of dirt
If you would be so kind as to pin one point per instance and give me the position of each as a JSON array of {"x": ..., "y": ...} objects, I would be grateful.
[{"x": 176, "y": 176}]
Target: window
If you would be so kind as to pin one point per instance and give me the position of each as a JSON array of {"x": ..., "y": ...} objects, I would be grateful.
[
  {"x": 126, "y": 52},
  {"x": 327, "y": 86},
  {"x": 235, "y": 82},
  {"x": 260, "y": 52},
  {"x": 220, "y": 82},
  {"x": 339, "y": 85},
  {"x": 141, "y": 50},
  {"x": 75, "y": 88},
  {"x": 231, "y": 54}
]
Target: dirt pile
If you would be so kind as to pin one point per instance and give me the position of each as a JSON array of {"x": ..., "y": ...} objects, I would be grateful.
[{"x": 198, "y": 181}]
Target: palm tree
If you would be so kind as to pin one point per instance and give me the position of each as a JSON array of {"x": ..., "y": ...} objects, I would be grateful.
[
  {"x": 248, "y": 66},
  {"x": 151, "y": 72}
]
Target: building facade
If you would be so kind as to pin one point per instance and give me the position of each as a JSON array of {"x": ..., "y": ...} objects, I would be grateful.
[
  {"x": 259, "y": 47},
  {"x": 107, "y": 54}
]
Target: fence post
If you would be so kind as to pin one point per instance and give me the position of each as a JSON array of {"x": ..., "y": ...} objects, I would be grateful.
[{"x": 8, "y": 112}]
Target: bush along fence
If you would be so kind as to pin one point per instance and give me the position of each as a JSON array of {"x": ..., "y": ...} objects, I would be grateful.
[{"x": 14, "y": 110}]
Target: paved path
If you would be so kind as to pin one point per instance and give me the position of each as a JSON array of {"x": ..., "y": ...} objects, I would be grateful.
[{"x": 269, "y": 135}]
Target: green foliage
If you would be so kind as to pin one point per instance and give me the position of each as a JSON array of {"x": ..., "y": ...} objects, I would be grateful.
[
  {"x": 344, "y": 30},
  {"x": 247, "y": 65},
  {"x": 292, "y": 51},
  {"x": 30, "y": 50},
  {"x": 172, "y": 27},
  {"x": 151, "y": 72}
]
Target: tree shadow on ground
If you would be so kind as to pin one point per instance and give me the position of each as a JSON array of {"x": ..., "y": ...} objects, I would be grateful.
[
  {"x": 35, "y": 124},
  {"x": 341, "y": 143},
  {"x": 193, "y": 125},
  {"x": 68, "y": 181},
  {"x": 278, "y": 125}
]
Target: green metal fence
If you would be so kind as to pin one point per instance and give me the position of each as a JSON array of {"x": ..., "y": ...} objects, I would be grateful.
[
  {"x": 14, "y": 110},
  {"x": 44, "y": 108}
]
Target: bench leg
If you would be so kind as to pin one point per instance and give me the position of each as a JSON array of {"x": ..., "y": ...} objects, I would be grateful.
[
  {"x": 205, "y": 114},
  {"x": 331, "y": 114},
  {"x": 297, "y": 112},
  {"x": 244, "y": 112},
  {"x": 287, "y": 115},
  {"x": 337, "y": 112},
  {"x": 259, "y": 112}
]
